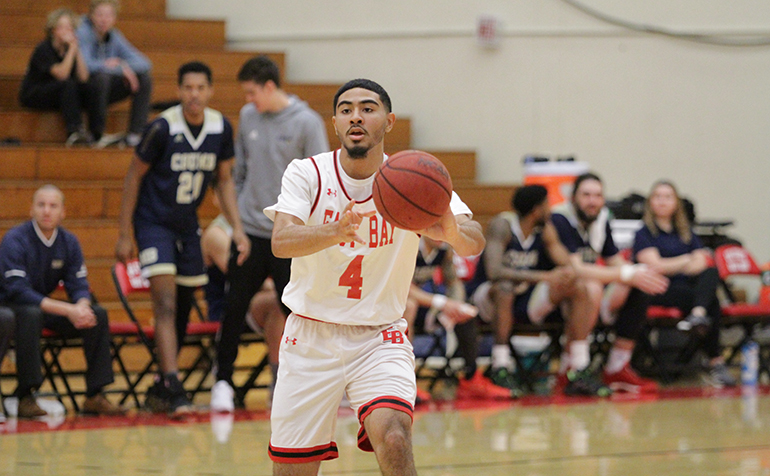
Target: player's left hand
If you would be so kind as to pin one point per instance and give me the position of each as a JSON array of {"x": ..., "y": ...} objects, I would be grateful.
[{"x": 243, "y": 244}]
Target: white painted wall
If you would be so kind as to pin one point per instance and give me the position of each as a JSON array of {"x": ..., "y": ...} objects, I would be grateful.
[{"x": 636, "y": 106}]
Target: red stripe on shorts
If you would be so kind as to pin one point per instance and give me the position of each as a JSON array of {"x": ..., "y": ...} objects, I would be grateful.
[
  {"x": 303, "y": 455},
  {"x": 366, "y": 409}
]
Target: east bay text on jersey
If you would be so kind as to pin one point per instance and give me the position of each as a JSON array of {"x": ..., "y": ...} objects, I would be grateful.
[{"x": 379, "y": 231}]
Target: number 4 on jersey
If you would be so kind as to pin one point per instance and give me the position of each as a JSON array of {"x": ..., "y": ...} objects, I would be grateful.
[{"x": 352, "y": 279}]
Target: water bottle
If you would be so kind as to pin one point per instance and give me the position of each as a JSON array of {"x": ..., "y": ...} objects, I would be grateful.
[{"x": 750, "y": 365}]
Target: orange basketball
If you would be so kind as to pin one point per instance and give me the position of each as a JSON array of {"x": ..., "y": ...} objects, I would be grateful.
[{"x": 412, "y": 189}]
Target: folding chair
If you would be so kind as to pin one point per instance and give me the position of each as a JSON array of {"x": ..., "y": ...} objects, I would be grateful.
[
  {"x": 734, "y": 260},
  {"x": 128, "y": 280}
]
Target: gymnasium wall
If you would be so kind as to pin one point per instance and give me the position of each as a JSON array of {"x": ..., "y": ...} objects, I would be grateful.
[{"x": 635, "y": 106}]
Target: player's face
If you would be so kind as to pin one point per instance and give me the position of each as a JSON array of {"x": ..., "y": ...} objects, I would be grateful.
[
  {"x": 195, "y": 93},
  {"x": 361, "y": 121},
  {"x": 543, "y": 212},
  {"x": 257, "y": 94},
  {"x": 47, "y": 209},
  {"x": 103, "y": 17},
  {"x": 663, "y": 201},
  {"x": 589, "y": 200}
]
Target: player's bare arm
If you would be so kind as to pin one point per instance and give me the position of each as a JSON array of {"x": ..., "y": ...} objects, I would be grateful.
[
  {"x": 463, "y": 234},
  {"x": 124, "y": 248},
  {"x": 558, "y": 253},
  {"x": 292, "y": 238},
  {"x": 225, "y": 190},
  {"x": 618, "y": 270}
]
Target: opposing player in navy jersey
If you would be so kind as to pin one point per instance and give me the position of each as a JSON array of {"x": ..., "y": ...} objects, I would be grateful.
[
  {"x": 532, "y": 280},
  {"x": 584, "y": 228},
  {"x": 34, "y": 258},
  {"x": 182, "y": 151}
]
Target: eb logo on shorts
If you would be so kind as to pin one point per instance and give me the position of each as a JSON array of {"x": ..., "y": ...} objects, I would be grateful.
[{"x": 392, "y": 335}]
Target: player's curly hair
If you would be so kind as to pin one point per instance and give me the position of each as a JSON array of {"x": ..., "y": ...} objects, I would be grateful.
[{"x": 367, "y": 84}]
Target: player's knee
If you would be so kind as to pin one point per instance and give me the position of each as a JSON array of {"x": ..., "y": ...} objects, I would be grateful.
[{"x": 397, "y": 437}]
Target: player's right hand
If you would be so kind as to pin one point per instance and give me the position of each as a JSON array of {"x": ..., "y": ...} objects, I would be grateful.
[
  {"x": 347, "y": 226},
  {"x": 649, "y": 281},
  {"x": 459, "y": 312},
  {"x": 124, "y": 249}
]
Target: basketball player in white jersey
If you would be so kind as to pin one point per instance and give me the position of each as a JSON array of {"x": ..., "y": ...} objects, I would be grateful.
[{"x": 350, "y": 277}]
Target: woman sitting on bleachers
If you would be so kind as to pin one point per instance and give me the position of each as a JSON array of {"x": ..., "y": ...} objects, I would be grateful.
[
  {"x": 667, "y": 244},
  {"x": 57, "y": 76}
]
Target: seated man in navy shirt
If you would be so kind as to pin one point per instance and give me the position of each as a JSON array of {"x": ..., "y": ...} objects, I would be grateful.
[
  {"x": 584, "y": 228},
  {"x": 34, "y": 258}
]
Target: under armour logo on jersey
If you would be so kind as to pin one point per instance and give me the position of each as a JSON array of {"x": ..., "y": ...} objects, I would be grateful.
[
  {"x": 393, "y": 335},
  {"x": 179, "y": 138},
  {"x": 291, "y": 341},
  {"x": 331, "y": 193}
]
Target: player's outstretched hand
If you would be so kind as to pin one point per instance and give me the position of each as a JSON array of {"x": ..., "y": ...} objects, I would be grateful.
[
  {"x": 445, "y": 229},
  {"x": 350, "y": 220},
  {"x": 243, "y": 244},
  {"x": 124, "y": 249}
]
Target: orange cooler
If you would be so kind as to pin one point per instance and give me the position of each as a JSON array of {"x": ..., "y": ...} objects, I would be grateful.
[{"x": 557, "y": 177}]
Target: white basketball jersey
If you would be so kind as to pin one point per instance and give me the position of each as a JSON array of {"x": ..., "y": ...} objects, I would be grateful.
[{"x": 349, "y": 283}]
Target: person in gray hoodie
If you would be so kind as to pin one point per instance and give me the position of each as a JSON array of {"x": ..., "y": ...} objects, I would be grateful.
[
  {"x": 117, "y": 70},
  {"x": 274, "y": 128}
]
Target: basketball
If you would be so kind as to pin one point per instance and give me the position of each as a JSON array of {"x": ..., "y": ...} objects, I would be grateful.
[{"x": 412, "y": 189}]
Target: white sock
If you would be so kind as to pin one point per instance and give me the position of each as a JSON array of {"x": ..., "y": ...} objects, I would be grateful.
[
  {"x": 564, "y": 362},
  {"x": 618, "y": 359},
  {"x": 501, "y": 357},
  {"x": 579, "y": 354}
]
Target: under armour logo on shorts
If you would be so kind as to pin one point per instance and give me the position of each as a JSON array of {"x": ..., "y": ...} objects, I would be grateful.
[
  {"x": 291, "y": 341},
  {"x": 393, "y": 335}
]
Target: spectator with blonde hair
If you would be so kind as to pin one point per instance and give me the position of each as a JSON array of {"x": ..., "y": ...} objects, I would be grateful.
[{"x": 667, "y": 244}]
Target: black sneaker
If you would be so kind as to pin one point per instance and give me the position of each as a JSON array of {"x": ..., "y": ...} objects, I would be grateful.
[
  {"x": 585, "y": 382},
  {"x": 179, "y": 401},
  {"x": 157, "y": 398},
  {"x": 168, "y": 396},
  {"x": 502, "y": 377}
]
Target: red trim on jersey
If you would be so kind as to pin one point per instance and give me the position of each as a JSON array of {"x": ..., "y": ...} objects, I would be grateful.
[
  {"x": 339, "y": 179},
  {"x": 318, "y": 190},
  {"x": 303, "y": 455},
  {"x": 394, "y": 403}
]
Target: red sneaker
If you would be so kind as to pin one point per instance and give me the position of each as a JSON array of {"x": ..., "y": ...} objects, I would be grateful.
[
  {"x": 626, "y": 380},
  {"x": 480, "y": 387},
  {"x": 422, "y": 397},
  {"x": 561, "y": 383}
]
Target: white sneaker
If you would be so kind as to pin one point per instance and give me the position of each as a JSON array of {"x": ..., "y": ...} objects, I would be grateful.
[
  {"x": 108, "y": 140},
  {"x": 222, "y": 395}
]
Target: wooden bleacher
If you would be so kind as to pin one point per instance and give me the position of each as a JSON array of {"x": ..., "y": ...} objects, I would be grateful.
[{"x": 92, "y": 179}]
